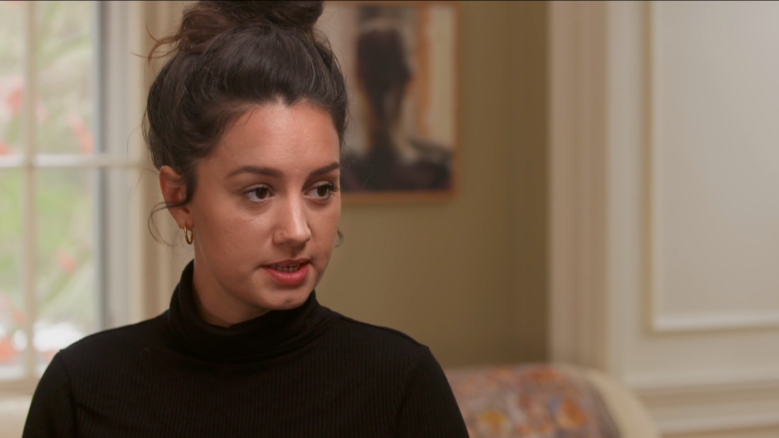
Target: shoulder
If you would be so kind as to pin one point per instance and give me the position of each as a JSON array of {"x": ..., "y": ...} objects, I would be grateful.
[
  {"x": 386, "y": 351},
  {"x": 141, "y": 331},
  {"x": 388, "y": 337},
  {"x": 113, "y": 344},
  {"x": 408, "y": 373},
  {"x": 384, "y": 344}
]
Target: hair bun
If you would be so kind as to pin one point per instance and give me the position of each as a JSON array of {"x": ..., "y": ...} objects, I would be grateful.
[
  {"x": 205, "y": 20},
  {"x": 286, "y": 14}
]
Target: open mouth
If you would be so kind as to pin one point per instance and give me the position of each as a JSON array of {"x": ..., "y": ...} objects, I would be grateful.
[
  {"x": 289, "y": 272},
  {"x": 287, "y": 268}
]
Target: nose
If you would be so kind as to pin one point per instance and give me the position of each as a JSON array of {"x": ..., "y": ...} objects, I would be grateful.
[{"x": 292, "y": 224}]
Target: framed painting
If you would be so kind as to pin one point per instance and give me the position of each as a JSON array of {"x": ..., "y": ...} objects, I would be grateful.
[{"x": 401, "y": 63}]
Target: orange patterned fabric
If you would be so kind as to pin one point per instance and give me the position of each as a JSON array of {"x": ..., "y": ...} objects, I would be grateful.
[{"x": 534, "y": 401}]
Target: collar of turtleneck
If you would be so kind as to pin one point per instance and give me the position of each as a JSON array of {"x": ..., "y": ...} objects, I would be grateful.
[{"x": 273, "y": 334}]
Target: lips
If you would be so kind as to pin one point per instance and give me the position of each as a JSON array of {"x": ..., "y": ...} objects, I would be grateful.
[{"x": 288, "y": 272}]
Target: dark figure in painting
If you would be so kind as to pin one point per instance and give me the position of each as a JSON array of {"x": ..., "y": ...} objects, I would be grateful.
[{"x": 393, "y": 161}]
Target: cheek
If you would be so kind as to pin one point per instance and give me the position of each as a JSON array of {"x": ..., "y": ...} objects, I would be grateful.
[
  {"x": 326, "y": 226},
  {"x": 228, "y": 232},
  {"x": 325, "y": 229}
]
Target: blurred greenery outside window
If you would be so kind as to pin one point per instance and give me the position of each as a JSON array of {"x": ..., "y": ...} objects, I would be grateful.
[{"x": 62, "y": 185}]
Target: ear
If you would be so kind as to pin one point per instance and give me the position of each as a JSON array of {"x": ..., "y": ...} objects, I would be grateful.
[{"x": 174, "y": 191}]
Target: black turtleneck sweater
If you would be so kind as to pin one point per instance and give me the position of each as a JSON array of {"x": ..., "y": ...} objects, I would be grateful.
[{"x": 307, "y": 372}]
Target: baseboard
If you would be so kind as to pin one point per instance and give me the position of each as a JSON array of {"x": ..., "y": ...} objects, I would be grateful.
[
  {"x": 712, "y": 405},
  {"x": 741, "y": 433}
]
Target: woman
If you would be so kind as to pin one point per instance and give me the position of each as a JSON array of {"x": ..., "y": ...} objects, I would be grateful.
[{"x": 245, "y": 124}]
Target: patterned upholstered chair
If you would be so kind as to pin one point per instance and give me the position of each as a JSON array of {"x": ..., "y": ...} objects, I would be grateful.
[{"x": 545, "y": 401}]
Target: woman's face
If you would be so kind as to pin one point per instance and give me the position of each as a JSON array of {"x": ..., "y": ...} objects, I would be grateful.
[{"x": 265, "y": 212}]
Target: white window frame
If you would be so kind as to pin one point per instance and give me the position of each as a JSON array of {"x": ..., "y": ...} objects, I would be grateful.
[{"x": 112, "y": 138}]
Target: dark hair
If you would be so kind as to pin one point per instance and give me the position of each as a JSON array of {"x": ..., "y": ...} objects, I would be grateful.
[{"x": 227, "y": 57}]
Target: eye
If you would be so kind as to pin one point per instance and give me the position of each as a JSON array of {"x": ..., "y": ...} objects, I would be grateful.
[
  {"x": 323, "y": 191},
  {"x": 258, "y": 194}
]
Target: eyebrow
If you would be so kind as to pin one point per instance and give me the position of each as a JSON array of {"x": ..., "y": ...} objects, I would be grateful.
[{"x": 267, "y": 171}]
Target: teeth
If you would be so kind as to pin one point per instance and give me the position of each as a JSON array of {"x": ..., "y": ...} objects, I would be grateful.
[{"x": 287, "y": 268}]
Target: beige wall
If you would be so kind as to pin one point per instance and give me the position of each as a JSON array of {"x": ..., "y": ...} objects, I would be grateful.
[
  {"x": 528, "y": 168},
  {"x": 467, "y": 277}
]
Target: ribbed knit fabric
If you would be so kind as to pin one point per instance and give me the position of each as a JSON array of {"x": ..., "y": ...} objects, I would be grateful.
[{"x": 307, "y": 372}]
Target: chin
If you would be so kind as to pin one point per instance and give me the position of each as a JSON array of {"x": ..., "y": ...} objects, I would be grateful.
[{"x": 287, "y": 299}]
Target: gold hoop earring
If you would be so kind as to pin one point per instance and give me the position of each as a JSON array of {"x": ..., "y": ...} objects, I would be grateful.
[{"x": 189, "y": 236}]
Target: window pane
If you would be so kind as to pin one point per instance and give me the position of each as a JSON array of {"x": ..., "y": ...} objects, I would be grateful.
[
  {"x": 11, "y": 76},
  {"x": 66, "y": 259},
  {"x": 12, "y": 338},
  {"x": 65, "y": 63}
]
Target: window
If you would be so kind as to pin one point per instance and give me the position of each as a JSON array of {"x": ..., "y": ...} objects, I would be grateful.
[{"x": 64, "y": 185}]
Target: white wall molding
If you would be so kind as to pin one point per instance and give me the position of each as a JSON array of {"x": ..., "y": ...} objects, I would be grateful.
[
  {"x": 699, "y": 372},
  {"x": 704, "y": 384},
  {"x": 713, "y": 411},
  {"x": 661, "y": 320},
  {"x": 758, "y": 432},
  {"x": 711, "y": 402},
  {"x": 577, "y": 182},
  {"x": 740, "y": 424},
  {"x": 663, "y": 323}
]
